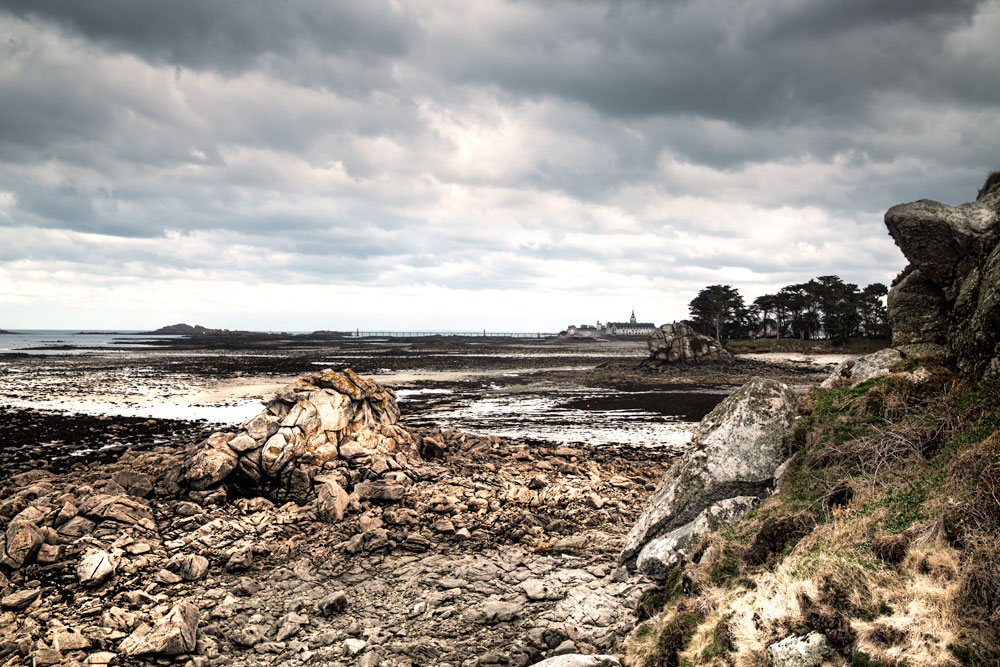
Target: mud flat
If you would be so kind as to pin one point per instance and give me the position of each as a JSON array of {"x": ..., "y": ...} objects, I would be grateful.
[{"x": 557, "y": 391}]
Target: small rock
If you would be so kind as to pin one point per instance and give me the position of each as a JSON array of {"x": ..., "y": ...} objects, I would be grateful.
[
  {"x": 498, "y": 611},
  {"x": 250, "y": 636},
  {"x": 577, "y": 660},
  {"x": 239, "y": 560},
  {"x": 95, "y": 567},
  {"x": 537, "y": 590},
  {"x": 246, "y": 587},
  {"x": 538, "y": 482},
  {"x": 135, "y": 483},
  {"x": 70, "y": 641},
  {"x": 175, "y": 633},
  {"x": 48, "y": 554},
  {"x": 334, "y": 603},
  {"x": 444, "y": 526},
  {"x": 354, "y": 646},
  {"x": 792, "y": 651},
  {"x": 23, "y": 540},
  {"x": 190, "y": 567},
  {"x": 187, "y": 508},
  {"x": 20, "y": 599},
  {"x": 45, "y": 656},
  {"x": 166, "y": 577},
  {"x": 331, "y": 501}
]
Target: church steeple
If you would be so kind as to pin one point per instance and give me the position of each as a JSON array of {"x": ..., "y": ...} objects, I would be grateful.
[{"x": 632, "y": 319}]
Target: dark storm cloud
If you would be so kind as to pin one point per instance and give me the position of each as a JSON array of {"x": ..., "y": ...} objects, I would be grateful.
[
  {"x": 230, "y": 35},
  {"x": 721, "y": 58}
]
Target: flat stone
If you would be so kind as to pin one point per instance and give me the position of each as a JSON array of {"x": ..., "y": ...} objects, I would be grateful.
[
  {"x": 538, "y": 590},
  {"x": 19, "y": 600},
  {"x": 380, "y": 491},
  {"x": 70, "y": 641},
  {"x": 45, "y": 656},
  {"x": 498, "y": 611}
]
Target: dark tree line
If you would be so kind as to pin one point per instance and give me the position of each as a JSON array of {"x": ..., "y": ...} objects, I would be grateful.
[{"x": 824, "y": 307}]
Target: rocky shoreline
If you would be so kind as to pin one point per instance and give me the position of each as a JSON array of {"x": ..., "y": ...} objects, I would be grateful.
[
  {"x": 497, "y": 550},
  {"x": 499, "y": 553}
]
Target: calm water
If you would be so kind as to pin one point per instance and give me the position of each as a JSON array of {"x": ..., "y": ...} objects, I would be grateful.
[{"x": 56, "y": 341}]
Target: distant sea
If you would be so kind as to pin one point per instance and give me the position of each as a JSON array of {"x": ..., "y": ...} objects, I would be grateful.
[{"x": 68, "y": 341}]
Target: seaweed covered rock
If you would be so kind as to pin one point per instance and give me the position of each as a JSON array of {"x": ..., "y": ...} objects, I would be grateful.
[
  {"x": 678, "y": 343},
  {"x": 734, "y": 452},
  {"x": 321, "y": 435},
  {"x": 949, "y": 295}
]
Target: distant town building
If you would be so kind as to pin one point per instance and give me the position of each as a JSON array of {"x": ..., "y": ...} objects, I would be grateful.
[{"x": 630, "y": 328}]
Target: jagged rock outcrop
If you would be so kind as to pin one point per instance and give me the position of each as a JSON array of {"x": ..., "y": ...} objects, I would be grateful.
[
  {"x": 324, "y": 435},
  {"x": 948, "y": 298},
  {"x": 678, "y": 343},
  {"x": 734, "y": 452}
]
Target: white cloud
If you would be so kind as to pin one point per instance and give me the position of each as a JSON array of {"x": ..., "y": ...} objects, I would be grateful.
[{"x": 492, "y": 165}]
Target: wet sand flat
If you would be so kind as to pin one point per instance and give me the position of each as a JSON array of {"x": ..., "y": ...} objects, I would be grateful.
[{"x": 557, "y": 391}]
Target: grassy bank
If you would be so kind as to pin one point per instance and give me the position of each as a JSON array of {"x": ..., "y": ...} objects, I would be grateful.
[
  {"x": 850, "y": 346},
  {"x": 884, "y": 536}
]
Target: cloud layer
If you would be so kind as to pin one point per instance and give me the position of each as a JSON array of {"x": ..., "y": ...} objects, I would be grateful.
[{"x": 515, "y": 165}]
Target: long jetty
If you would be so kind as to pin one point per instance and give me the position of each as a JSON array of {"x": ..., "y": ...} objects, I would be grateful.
[{"x": 462, "y": 334}]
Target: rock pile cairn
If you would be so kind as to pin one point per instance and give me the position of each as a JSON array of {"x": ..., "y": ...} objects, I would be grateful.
[
  {"x": 328, "y": 436},
  {"x": 678, "y": 343}
]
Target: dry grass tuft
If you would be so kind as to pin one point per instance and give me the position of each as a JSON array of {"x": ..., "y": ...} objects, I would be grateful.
[{"x": 992, "y": 182}]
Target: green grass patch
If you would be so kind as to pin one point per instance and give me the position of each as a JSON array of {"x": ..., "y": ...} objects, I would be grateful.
[{"x": 675, "y": 636}]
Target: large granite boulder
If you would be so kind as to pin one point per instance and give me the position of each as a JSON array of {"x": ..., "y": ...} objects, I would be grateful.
[
  {"x": 678, "y": 343},
  {"x": 734, "y": 452},
  {"x": 324, "y": 432},
  {"x": 949, "y": 295}
]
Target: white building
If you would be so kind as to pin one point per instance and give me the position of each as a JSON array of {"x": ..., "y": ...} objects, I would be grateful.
[{"x": 630, "y": 328}]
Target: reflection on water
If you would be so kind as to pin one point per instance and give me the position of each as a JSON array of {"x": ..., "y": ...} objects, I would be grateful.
[
  {"x": 585, "y": 415},
  {"x": 230, "y": 412}
]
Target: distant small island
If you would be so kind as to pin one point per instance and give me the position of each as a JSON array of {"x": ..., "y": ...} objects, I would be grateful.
[
  {"x": 187, "y": 330},
  {"x": 4, "y": 331},
  {"x": 198, "y": 330}
]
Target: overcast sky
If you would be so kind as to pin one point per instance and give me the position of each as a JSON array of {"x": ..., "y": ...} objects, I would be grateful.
[{"x": 298, "y": 165}]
